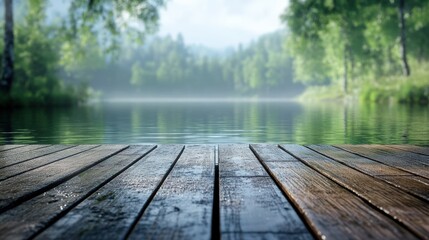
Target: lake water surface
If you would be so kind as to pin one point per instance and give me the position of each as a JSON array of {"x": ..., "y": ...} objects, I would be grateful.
[{"x": 218, "y": 122}]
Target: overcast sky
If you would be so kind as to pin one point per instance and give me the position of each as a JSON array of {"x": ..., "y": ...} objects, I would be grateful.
[
  {"x": 221, "y": 23},
  {"x": 214, "y": 23}
]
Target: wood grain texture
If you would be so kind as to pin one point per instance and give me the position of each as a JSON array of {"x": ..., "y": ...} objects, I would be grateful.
[
  {"x": 16, "y": 169},
  {"x": 25, "y": 148},
  {"x": 412, "y": 148},
  {"x": 32, "y": 216},
  {"x": 258, "y": 191},
  {"x": 9, "y": 147},
  {"x": 256, "y": 205},
  {"x": 113, "y": 209},
  {"x": 250, "y": 202},
  {"x": 182, "y": 208},
  {"x": 363, "y": 164},
  {"x": 411, "y": 211},
  {"x": 238, "y": 160},
  {"x": 402, "y": 154},
  {"x": 396, "y": 177},
  {"x": 263, "y": 235},
  {"x": 8, "y": 157},
  {"x": 331, "y": 211},
  {"x": 410, "y": 165},
  {"x": 29, "y": 155},
  {"x": 412, "y": 184},
  {"x": 271, "y": 153},
  {"x": 22, "y": 187}
]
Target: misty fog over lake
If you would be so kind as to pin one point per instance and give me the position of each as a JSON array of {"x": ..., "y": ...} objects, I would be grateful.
[{"x": 191, "y": 71}]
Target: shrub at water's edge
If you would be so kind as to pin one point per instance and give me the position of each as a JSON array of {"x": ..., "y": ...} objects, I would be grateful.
[
  {"x": 412, "y": 90},
  {"x": 406, "y": 90},
  {"x": 61, "y": 95},
  {"x": 375, "y": 51}
]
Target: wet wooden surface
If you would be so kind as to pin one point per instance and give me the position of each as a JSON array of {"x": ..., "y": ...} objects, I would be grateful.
[
  {"x": 250, "y": 201},
  {"x": 236, "y": 191}
]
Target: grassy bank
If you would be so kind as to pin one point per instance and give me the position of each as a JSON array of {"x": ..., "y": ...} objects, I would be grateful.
[
  {"x": 413, "y": 89},
  {"x": 410, "y": 90}
]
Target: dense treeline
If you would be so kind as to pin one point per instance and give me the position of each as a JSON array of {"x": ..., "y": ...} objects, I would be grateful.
[
  {"x": 56, "y": 60},
  {"x": 378, "y": 50},
  {"x": 362, "y": 46},
  {"x": 167, "y": 67}
]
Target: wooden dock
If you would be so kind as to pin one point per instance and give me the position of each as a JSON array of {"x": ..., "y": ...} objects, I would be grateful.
[{"x": 214, "y": 191}]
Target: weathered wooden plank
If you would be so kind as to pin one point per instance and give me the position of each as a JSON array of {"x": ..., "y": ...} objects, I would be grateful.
[
  {"x": 6, "y": 161},
  {"x": 113, "y": 209},
  {"x": 263, "y": 235},
  {"x": 330, "y": 210},
  {"x": 402, "y": 154},
  {"x": 250, "y": 201},
  {"x": 394, "y": 176},
  {"x": 9, "y": 147},
  {"x": 196, "y": 160},
  {"x": 410, "y": 165},
  {"x": 22, "y": 187},
  {"x": 412, "y": 148},
  {"x": 363, "y": 164},
  {"x": 271, "y": 153},
  {"x": 239, "y": 160},
  {"x": 413, "y": 184},
  {"x": 16, "y": 169},
  {"x": 256, "y": 205},
  {"x": 247, "y": 189},
  {"x": 411, "y": 211},
  {"x": 182, "y": 208},
  {"x": 24, "y": 148},
  {"x": 32, "y": 216},
  {"x": 11, "y": 153}
]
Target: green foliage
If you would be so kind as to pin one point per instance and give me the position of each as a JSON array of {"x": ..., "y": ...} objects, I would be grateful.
[
  {"x": 317, "y": 93},
  {"x": 112, "y": 20},
  {"x": 95, "y": 30},
  {"x": 355, "y": 44},
  {"x": 374, "y": 94},
  {"x": 308, "y": 65},
  {"x": 47, "y": 53},
  {"x": 412, "y": 90},
  {"x": 167, "y": 67},
  {"x": 414, "y": 94},
  {"x": 36, "y": 64}
]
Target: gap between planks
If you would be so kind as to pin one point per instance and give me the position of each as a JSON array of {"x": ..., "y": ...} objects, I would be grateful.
[{"x": 216, "y": 218}]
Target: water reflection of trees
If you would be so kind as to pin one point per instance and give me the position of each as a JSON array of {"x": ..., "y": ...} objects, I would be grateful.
[
  {"x": 329, "y": 123},
  {"x": 41, "y": 125},
  {"x": 332, "y": 123}
]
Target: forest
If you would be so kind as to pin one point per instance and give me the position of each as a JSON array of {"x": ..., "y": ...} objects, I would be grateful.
[
  {"x": 167, "y": 67},
  {"x": 375, "y": 50},
  {"x": 368, "y": 50}
]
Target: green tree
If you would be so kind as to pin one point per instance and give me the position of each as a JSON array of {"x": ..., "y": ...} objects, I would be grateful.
[
  {"x": 368, "y": 32},
  {"x": 8, "y": 52},
  {"x": 36, "y": 80},
  {"x": 86, "y": 18}
]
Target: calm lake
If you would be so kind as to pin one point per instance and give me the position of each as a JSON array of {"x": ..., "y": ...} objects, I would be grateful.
[{"x": 218, "y": 122}]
